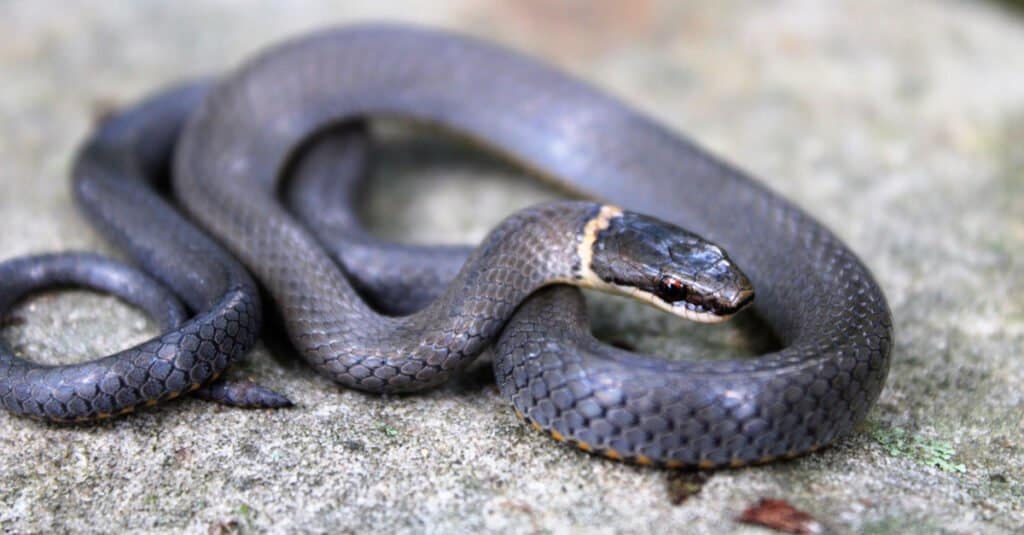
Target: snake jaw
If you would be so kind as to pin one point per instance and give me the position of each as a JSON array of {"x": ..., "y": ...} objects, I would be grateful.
[
  {"x": 680, "y": 308},
  {"x": 701, "y": 314}
]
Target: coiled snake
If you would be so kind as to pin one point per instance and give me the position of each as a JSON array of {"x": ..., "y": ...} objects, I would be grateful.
[{"x": 232, "y": 145}]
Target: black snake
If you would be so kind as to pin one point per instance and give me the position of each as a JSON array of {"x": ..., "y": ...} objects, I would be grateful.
[{"x": 253, "y": 127}]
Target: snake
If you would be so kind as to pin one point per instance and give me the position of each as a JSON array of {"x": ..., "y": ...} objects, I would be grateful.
[{"x": 653, "y": 218}]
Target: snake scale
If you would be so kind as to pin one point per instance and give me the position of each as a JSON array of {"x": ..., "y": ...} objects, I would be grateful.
[{"x": 295, "y": 110}]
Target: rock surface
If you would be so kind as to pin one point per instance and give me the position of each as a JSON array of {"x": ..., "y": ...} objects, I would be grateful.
[{"x": 896, "y": 123}]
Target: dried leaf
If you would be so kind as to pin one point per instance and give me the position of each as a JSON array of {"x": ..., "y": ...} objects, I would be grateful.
[{"x": 781, "y": 516}]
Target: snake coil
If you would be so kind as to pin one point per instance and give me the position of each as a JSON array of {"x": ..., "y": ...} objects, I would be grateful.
[{"x": 240, "y": 139}]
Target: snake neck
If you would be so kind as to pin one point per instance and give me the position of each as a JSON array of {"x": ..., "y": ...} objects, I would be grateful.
[
  {"x": 531, "y": 249},
  {"x": 542, "y": 245}
]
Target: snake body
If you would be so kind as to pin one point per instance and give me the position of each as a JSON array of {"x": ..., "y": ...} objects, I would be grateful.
[
  {"x": 818, "y": 298},
  {"x": 114, "y": 177}
]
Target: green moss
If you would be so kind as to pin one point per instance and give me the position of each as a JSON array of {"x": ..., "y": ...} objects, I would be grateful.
[
  {"x": 900, "y": 524},
  {"x": 931, "y": 452},
  {"x": 389, "y": 431}
]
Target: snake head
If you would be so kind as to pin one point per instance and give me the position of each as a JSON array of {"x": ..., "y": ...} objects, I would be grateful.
[{"x": 665, "y": 266}]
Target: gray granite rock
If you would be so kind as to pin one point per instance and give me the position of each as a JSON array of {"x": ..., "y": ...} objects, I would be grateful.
[{"x": 897, "y": 123}]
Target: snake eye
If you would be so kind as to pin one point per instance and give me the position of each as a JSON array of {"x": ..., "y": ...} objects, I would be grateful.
[{"x": 671, "y": 289}]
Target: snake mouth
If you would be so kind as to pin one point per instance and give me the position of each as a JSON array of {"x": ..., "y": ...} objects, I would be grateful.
[
  {"x": 700, "y": 313},
  {"x": 710, "y": 309},
  {"x": 694, "y": 309},
  {"x": 698, "y": 306}
]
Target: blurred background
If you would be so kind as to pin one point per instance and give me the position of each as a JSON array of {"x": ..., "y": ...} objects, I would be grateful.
[{"x": 898, "y": 124}]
